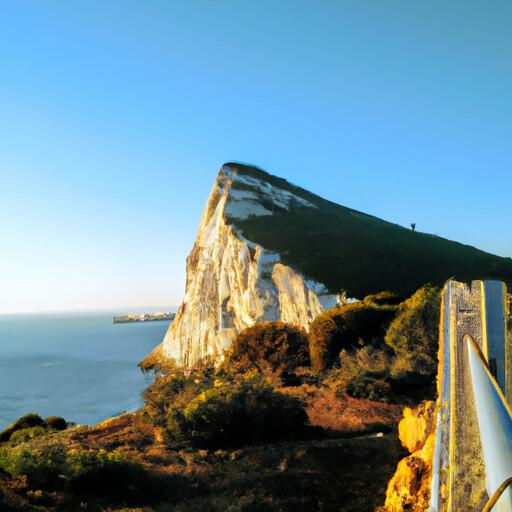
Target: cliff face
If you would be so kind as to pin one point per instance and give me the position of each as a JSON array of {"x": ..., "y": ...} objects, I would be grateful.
[{"x": 232, "y": 282}]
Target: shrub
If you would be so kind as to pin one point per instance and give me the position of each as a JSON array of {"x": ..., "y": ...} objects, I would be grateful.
[
  {"x": 28, "y": 421},
  {"x": 56, "y": 423},
  {"x": 370, "y": 388},
  {"x": 26, "y": 434},
  {"x": 346, "y": 327},
  {"x": 41, "y": 465},
  {"x": 166, "y": 390},
  {"x": 414, "y": 332},
  {"x": 374, "y": 361},
  {"x": 235, "y": 414},
  {"x": 383, "y": 299},
  {"x": 411, "y": 385},
  {"x": 30, "y": 426},
  {"x": 101, "y": 472},
  {"x": 270, "y": 348},
  {"x": 52, "y": 465},
  {"x": 404, "y": 367},
  {"x": 363, "y": 373},
  {"x": 322, "y": 341}
]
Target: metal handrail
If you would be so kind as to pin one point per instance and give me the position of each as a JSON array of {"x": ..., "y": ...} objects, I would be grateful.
[{"x": 497, "y": 495}]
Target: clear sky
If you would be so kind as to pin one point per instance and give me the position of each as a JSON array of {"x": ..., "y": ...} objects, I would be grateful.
[{"x": 115, "y": 116}]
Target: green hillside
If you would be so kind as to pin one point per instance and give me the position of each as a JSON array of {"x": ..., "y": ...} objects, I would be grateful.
[{"x": 349, "y": 250}]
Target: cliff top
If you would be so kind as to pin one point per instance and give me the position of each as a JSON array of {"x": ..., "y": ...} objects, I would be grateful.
[{"x": 344, "y": 248}]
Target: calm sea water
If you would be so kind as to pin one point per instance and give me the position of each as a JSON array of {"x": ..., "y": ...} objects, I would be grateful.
[{"x": 80, "y": 366}]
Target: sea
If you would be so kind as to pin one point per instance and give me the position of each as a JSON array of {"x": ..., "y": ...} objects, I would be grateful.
[{"x": 77, "y": 365}]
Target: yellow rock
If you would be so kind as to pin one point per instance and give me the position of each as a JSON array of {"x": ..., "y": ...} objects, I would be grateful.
[
  {"x": 159, "y": 434},
  {"x": 409, "y": 489},
  {"x": 415, "y": 426}
]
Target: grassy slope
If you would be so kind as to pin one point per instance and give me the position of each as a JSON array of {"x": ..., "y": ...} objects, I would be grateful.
[
  {"x": 326, "y": 470},
  {"x": 349, "y": 250}
]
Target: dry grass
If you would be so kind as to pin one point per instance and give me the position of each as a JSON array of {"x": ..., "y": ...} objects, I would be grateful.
[
  {"x": 345, "y": 414},
  {"x": 316, "y": 472}
]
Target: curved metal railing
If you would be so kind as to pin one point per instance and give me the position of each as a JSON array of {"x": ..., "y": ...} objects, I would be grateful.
[{"x": 497, "y": 495}]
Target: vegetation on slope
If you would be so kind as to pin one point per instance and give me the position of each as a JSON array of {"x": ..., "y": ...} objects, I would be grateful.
[
  {"x": 332, "y": 474},
  {"x": 234, "y": 413},
  {"x": 31, "y": 425},
  {"x": 413, "y": 334},
  {"x": 272, "y": 348},
  {"x": 349, "y": 326},
  {"x": 349, "y": 250},
  {"x": 392, "y": 357}
]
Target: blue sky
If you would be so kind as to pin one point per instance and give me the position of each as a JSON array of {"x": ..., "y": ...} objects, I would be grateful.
[{"x": 115, "y": 117}]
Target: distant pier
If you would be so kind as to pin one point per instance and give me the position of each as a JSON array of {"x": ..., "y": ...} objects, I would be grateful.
[{"x": 143, "y": 317}]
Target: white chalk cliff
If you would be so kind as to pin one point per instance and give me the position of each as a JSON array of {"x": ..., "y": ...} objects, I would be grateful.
[{"x": 233, "y": 283}]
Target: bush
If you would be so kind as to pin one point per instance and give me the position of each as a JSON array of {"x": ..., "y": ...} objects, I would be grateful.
[
  {"x": 322, "y": 341},
  {"x": 56, "y": 423},
  {"x": 363, "y": 386},
  {"x": 270, "y": 348},
  {"x": 26, "y": 434},
  {"x": 52, "y": 465},
  {"x": 28, "y": 421},
  {"x": 41, "y": 465},
  {"x": 414, "y": 333},
  {"x": 412, "y": 386},
  {"x": 168, "y": 389},
  {"x": 346, "y": 327},
  {"x": 403, "y": 368},
  {"x": 30, "y": 426},
  {"x": 235, "y": 414},
  {"x": 363, "y": 373},
  {"x": 383, "y": 299},
  {"x": 101, "y": 472}
]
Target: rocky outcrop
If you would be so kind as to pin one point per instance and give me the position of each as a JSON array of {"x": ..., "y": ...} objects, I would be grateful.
[
  {"x": 232, "y": 283},
  {"x": 416, "y": 425},
  {"x": 409, "y": 489}
]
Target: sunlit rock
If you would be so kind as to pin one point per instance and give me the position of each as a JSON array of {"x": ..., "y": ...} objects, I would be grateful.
[
  {"x": 233, "y": 283},
  {"x": 409, "y": 489},
  {"x": 416, "y": 425}
]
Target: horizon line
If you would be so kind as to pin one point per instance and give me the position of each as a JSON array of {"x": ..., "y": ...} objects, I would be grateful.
[{"x": 94, "y": 310}]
